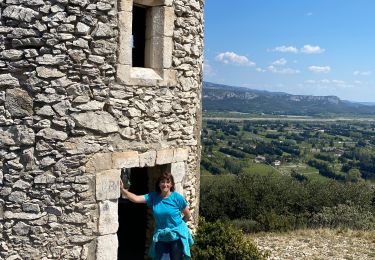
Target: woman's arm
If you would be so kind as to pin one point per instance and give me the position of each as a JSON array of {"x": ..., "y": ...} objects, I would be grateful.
[
  {"x": 186, "y": 213},
  {"x": 131, "y": 196}
]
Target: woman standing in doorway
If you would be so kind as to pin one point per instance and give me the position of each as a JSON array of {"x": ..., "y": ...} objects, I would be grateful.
[{"x": 172, "y": 238}]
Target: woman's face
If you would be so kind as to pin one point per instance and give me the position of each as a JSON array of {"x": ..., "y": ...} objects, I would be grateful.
[{"x": 165, "y": 185}]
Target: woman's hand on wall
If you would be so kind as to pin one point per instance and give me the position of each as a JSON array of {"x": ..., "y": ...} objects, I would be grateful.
[{"x": 131, "y": 196}]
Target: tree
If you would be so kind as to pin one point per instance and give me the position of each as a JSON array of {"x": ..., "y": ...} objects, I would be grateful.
[{"x": 354, "y": 175}]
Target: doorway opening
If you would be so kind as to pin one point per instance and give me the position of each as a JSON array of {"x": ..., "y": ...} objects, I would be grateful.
[{"x": 135, "y": 220}]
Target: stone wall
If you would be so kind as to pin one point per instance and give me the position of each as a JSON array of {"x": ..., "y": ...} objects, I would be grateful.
[{"x": 64, "y": 115}]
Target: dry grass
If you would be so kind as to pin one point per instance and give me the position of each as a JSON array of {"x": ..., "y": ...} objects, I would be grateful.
[{"x": 318, "y": 244}]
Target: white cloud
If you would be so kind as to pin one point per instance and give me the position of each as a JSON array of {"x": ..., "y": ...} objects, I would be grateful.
[
  {"x": 276, "y": 70},
  {"x": 310, "y": 49},
  {"x": 310, "y": 81},
  {"x": 290, "y": 49},
  {"x": 260, "y": 70},
  {"x": 207, "y": 69},
  {"x": 307, "y": 48},
  {"x": 329, "y": 83},
  {"x": 233, "y": 58},
  {"x": 319, "y": 69},
  {"x": 279, "y": 62},
  {"x": 338, "y": 82},
  {"x": 361, "y": 73}
]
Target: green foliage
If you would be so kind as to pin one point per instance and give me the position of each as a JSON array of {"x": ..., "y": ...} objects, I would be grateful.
[
  {"x": 354, "y": 175},
  {"x": 345, "y": 216},
  {"x": 247, "y": 225},
  {"x": 218, "y": 241},
  {"x": 277, "y": 202}
]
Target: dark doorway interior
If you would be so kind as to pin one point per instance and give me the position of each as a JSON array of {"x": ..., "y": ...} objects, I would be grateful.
[{"x": 133, "y": 219}]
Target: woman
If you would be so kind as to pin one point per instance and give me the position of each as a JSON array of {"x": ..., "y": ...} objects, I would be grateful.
[{"x": 172, "y": 238}]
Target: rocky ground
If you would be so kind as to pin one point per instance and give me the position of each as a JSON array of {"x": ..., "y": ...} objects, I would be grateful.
[{"x": 318, "y": 244}]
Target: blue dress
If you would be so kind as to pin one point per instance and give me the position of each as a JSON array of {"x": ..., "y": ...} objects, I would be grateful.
[{"x": 169, "y": 225}]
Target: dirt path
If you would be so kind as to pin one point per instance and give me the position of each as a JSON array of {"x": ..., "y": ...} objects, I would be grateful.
[{"x": 318, "y": 244}]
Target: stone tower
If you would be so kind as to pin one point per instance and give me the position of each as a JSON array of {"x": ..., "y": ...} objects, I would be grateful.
[{"x": 90, "y": 88}]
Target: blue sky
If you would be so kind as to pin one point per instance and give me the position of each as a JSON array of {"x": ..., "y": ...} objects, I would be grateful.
[{"x": 310, "y": 47}]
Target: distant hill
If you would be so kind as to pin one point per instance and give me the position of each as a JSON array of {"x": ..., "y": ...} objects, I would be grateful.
[{"x": 217, "y": 97}]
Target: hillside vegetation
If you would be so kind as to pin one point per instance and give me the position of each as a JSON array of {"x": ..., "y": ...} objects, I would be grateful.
[{"x": 284, "y": 176}]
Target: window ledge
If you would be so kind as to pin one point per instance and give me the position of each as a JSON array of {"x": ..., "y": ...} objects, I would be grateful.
[
  {"x": 145, "y": 76},
  {"x": 144, "y": 73}
]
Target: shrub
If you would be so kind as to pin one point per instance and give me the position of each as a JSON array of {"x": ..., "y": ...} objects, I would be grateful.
[
  {"x": 345, "y": 216},
  {"x": 274, "y": 202},
  {"x": 218, "y": 241},
  {"x": 271, "y": 221},
  {"x": 247, "y": 225}
]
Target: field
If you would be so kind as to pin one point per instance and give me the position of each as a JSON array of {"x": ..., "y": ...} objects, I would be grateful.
[{"x": 341, "y": 149}]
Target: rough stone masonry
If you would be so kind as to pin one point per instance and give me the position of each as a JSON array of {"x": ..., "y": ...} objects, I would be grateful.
[{"x": 68, "y": 124}]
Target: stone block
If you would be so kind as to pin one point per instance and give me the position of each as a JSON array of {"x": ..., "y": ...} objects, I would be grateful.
[
  {"x": 179, "y": 188},
  {"x": 147, "y": 159},
  {"x": 99, "y": 162},
  {"x": 137, "y": 76},
  {"x": 108, "y": 185},
  {"x": 170, "y": 78},
  {"x": 180, "y": 154},
  {"x": 99, "y": 121},
  {"x": 45, "y": 178},
  {"x": 168, "y": 2},
  {"x": 123, "y": 73},
  {"x": 154, "y": 52},
  {"x": 178, "y": 171},
  {"x": 125, "y": 38},
  {"x": 18, "y": 102},
  {"x": 108, "y": 217},
  {"x": 156, "y": 28},
  {"x": 149, "y": 2},
  {"x": 126, "y": 5},
  {"x": 125, "y": 160},
  {"x": 1, "y": 211},
  {"x": 164, "y": 156},
  {"x": 169, "y": 18},
  {"x": 159, "y": 52},
  {"x": 22, "y": 215},
  {"x": 7, "y": 80},
  {"x": 167, "y": 52},
  {"x": 106, "y": 247}
]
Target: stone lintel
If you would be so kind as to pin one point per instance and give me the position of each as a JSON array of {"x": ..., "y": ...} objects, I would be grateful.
[
  {"x": 147, "y": 159},
  {"x": 151, "y": 2},
  {"x": 108, "y": 185},
  {"x": 125, "y": 160},
  {"x": 180, "y": 154},
  {"x": 164, "y": 156}
]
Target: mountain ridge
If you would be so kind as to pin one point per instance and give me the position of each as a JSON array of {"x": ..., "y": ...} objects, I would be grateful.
[{"x": 224, "y": 98}]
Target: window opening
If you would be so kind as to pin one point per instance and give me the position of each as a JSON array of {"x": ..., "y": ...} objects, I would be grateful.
[{"x": 138, "y": 36}]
